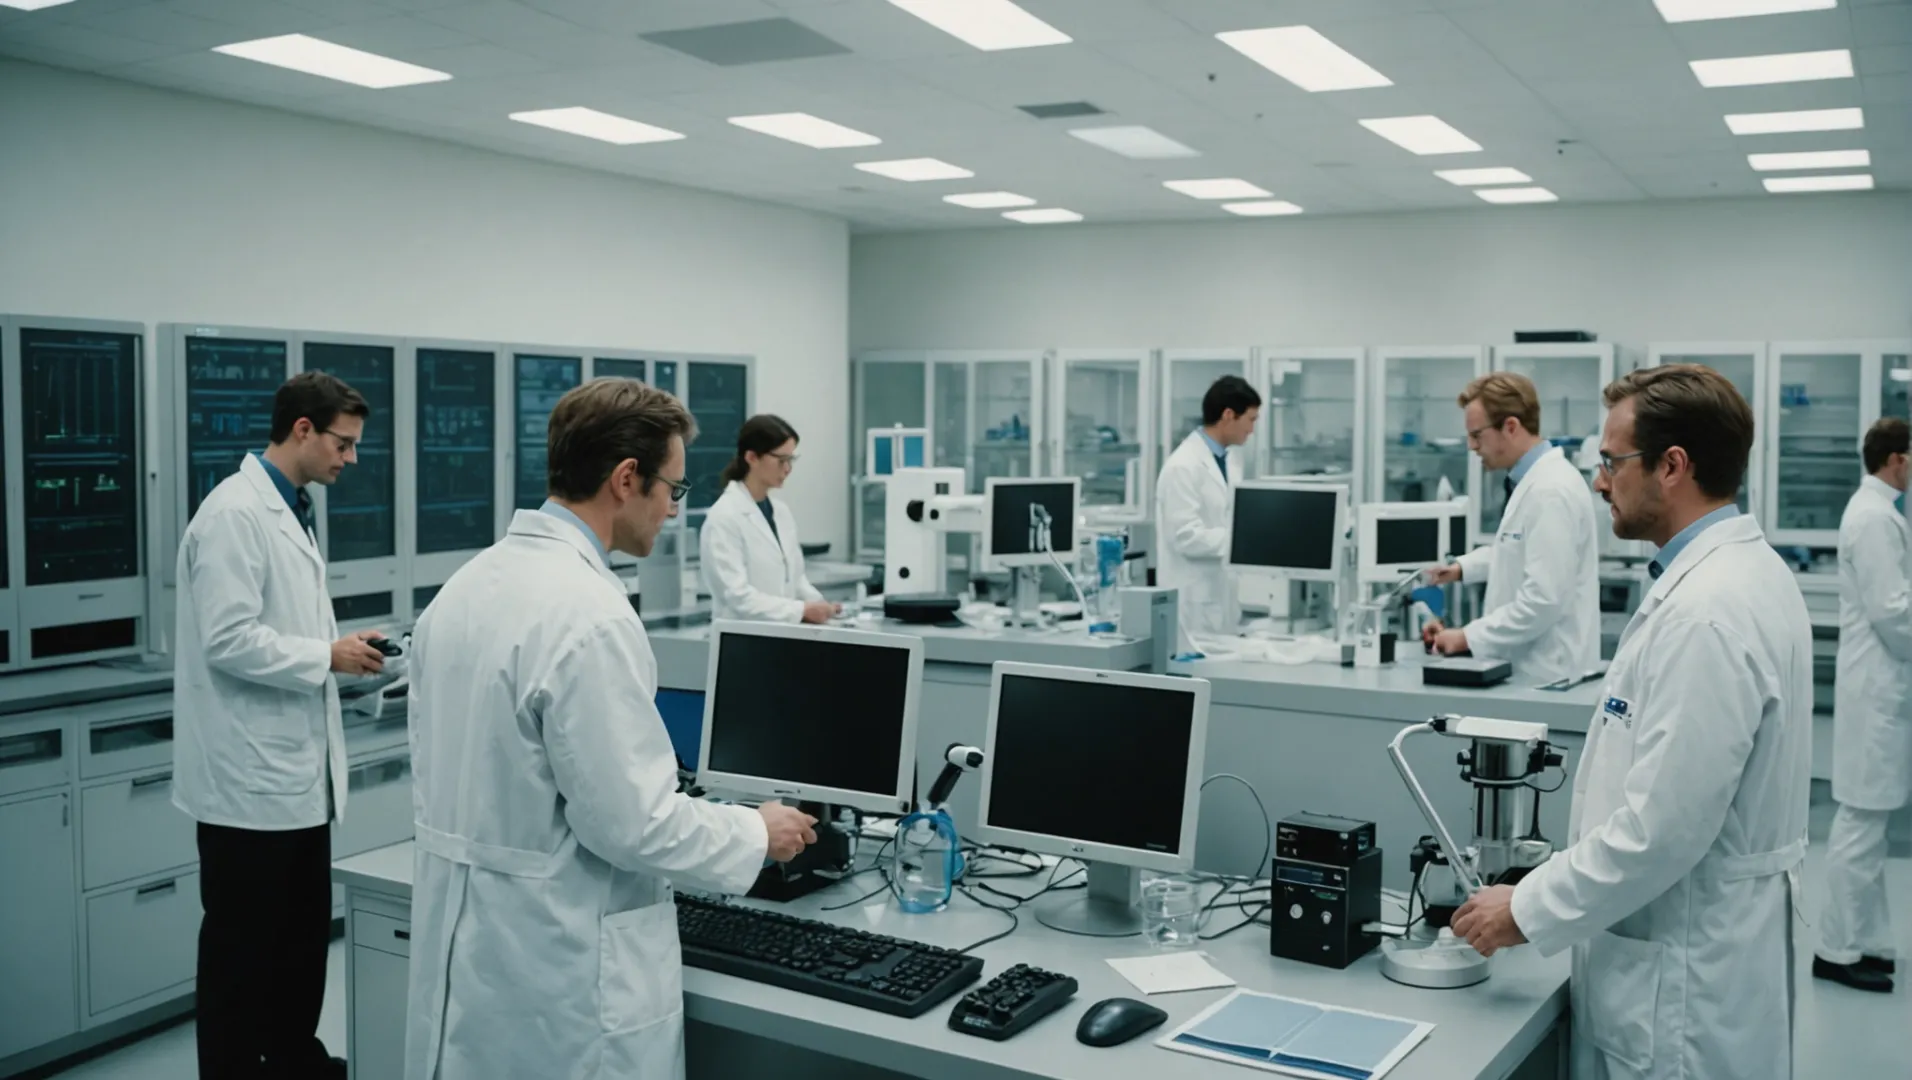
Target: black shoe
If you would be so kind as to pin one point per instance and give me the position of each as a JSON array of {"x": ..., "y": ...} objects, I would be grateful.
[
  {"x": 1854, "y": 975},
  {"x": 1879, "y": 964}
]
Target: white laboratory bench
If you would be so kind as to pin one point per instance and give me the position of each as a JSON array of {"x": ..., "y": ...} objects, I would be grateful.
[{"x": 1511, "y": 1026}]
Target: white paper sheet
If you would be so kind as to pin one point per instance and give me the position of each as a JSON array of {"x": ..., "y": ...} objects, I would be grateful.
[{"x": 1171, "y": 972}]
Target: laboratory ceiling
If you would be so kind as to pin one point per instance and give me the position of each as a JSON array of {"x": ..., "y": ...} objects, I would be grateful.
[{"x": 1594, "y": 99}]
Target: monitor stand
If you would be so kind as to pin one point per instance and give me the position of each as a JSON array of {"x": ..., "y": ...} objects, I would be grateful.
[{"x": 1109, "y": 907}]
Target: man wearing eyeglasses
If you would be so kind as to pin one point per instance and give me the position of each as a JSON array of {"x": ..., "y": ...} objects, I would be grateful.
[
  {"x": 258, "y": 753},
  {"x": 549, "y": 825}
]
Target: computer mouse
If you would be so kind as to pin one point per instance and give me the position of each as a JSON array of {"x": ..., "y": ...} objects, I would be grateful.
[{"x": 1116, "y": 1021}]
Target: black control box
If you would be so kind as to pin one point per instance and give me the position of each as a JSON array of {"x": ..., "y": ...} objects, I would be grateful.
[
  {"x": 1319, "y": 910},
  {"x": 1321, "y": 838}
]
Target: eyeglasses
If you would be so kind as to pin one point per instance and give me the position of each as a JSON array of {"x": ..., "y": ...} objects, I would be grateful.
[
  {"x": 1475, "y": 434},
  {"x": 1609, "y": 463},
  {"x": 679, "y": 488},
  {"x": 786, "y": 459},
  {"x": 345, "y": 445}
]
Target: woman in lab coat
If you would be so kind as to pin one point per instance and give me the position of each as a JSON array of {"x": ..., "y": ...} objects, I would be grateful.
[{"x": 752, "y": 558}]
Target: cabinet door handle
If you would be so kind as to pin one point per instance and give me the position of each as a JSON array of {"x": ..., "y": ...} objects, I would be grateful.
[
  {"x": 92, "y": 596},
  {"x": 152, "y": 781},
  {"x": 158, "y": 887},
  {"x": 402, "y": 935}
]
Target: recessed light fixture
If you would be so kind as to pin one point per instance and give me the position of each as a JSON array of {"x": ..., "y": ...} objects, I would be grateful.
[
  {"x": 1141, "y": 143},
  {"x": 989, "y": 25},
  {"x": 1811, "y": 159},
  {"x": 1774, "y": 68},
  {"x": 1302, "y": 56},
  {"x": 326, "y": 60},
  {"x": 1053, "y": 215},
  {"x": 1508, "y": 195},
  {"x": 1422, "y": 134},
  {"x": 803, "y": 128},
  {"x": 592, "y": 124},
  {"x": 1779, "y": 123},
  {"x": 1475, "y": 177},
  {"x": 1267, "y": 208},
  {"x": 1847, "y": 182},
  {"x": 1679, "y": 11},
  {"x": 1216, "y": 189},
  {"x": 915, "y": 169},
  {"x": 990, "y": 200},
  {"x": 33, "y": 5}
]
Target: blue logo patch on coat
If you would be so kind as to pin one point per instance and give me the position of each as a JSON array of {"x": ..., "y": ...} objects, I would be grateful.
[{"x": 1618, "y": 708}]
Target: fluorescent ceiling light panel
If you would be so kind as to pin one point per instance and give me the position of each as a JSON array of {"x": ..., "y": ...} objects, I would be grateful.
[
  {"x": 1269, "y": 208},
  {"x": 1506, "y": 195},
  {"x": 1774, "y": 68},
  {"x": 914, "y": 169},
  {"x": 803, "y": 128},
  {"x": 1779, "y": 123},
  {"x": 1422, "y": 134},
  {"x": 1679, "y": 11},
  {"x": 1054, "y": 215},
  {"x": 593, "y": 124},
  {"x": 1302, "y": 56},
  {"x": 989, "y": 25},
  {"x": 1475, "y": 177},
  {"x": 1134, "y": 142},
  {"x": 322, "y": 58},
  {"x": 1811, "y": 159},
  {"x": 33, "y": 5},
  {"x": 1848, "y": 182},
  {"x": 990, "y": 200},
  {"x": 1216, "y": 189}
]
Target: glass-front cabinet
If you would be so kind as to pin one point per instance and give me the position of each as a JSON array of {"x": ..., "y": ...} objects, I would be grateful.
[
  {"x": 1422, "y": 435},
  {"x": 1569, "y": 379},
  {"x": 1004, "y": 402},
  {"x": 1822, "y": 398},
  {"x": 1098, "y": 423},
  {"x": 1186, "y": 376},
  {"x": 1895, "y": 382},
  {"x": 1744, "y": 363},
  {"x": 1312, "y": 423},
  {"x": 890, "y": 390}
]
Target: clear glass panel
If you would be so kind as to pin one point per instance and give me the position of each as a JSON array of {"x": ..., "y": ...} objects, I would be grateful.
[
  {"x": 1819, "y": 463},
  {"x": 892, "y": 396},
  {"x": 871, "y": 494},
  {"x": 1000, "y": 425},
  {"x": 1425, "y": 437},
  {"x": 135, "y": 735},
  {"x": 952, "y": 415},
  {"x": 1896, "y": 385},
  {"x": 1188, "y": 380},
  {"x": 1740, "y": 369},
  {"x": 1569, "y": 388},
  {"x": 1307, "y": 422},
  {"x": 1102, "y": 426}
]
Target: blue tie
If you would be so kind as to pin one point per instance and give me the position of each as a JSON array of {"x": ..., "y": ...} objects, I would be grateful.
[
  {"x": 1507, "y": 483},
  {"x": 1221, "y": 462}
]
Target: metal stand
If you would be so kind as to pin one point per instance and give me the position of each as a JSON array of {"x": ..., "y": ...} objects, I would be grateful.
[
  {"x": 1026, "y": 592},
  {"x": 1107, "y": 908},
  {"x": 1444, "y": 964}
]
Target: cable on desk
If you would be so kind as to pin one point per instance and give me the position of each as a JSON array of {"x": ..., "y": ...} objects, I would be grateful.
[
  {"x": 1015, "y": 921},
  {"x": 1267, "y": 824},
  {"x": 1254, "y": 918}
]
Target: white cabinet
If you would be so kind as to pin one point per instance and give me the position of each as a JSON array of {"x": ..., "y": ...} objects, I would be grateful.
[
  {"x": 1421, "y": 430},
  {"x": 1186, "y": 376},
  {"x": 378, "y": 1014},
  {"x": 378, "y": 806},
  {"x": 141, "y": 944},
  {"x": 1314, "y": 414},
  {"x": 1570, "y": 380},
  {"x": 131, "y": 829},
  {"x": 1099, "y": 422},
  {"x": 1820, "y": 401},
  {"x": 39, "y": 968}
]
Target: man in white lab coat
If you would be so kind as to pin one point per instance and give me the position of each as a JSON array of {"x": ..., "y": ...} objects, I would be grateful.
[
  {"x": 1872, "y": 716},
  {"x": 549, "y": 824},
  {"x": 1676, "y": 888},
  {"x": 751, "y": 555},
  {"x": 258, "y": 753},
  {"x": 1542, "y": 609},
  {"x": 1194, "y": 501}
]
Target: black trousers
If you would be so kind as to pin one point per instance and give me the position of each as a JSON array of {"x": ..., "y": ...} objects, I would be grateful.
[{"x": 262, "y": 949}]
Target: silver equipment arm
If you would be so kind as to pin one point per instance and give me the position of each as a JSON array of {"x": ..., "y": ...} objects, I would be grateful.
[{"x": 1456, "y": 855}]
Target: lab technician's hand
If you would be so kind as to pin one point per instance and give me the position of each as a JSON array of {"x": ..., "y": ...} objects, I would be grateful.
[
  {"x": 1429, "y": 630},
  {"x": 351, "y": 655},
  {"x": 1487, "y": 920},
  {"x": 791, "y": 830},
  {"x": 818, "y": 611},
  {"x": 1449, "y": 642},
  {"x": 1445, "y": 574}
]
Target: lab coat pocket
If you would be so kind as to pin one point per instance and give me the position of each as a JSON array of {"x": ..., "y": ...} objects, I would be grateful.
[
  {"x": 1623, "y": 988},
  {"x": 280, "y": 756},
  {"x": 640, "y": 969}
]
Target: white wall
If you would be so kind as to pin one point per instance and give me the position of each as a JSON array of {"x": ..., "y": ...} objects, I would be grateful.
[
  {"x": 124, "y": 202},
  {"x": 1782, "y": 267}
]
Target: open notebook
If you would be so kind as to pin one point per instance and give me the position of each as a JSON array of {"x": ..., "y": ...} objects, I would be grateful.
[{"x": 1298, "y": 1037}]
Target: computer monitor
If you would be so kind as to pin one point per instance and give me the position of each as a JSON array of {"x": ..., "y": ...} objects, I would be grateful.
[
  {"x": 811, "y": 714},
  {"x": 889, "y": 449},
  {"x": 1101, "y": 766},
  {"x": 1395, "y": 540},
  {"x": 1457, "y": 538},
  {"x": 1013, "y": 520},
  {"x": 1292, "y": 529}
]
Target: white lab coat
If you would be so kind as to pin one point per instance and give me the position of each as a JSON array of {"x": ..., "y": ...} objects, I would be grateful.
[
  {"x": 544, "y": 937},
  {"x": 1688, "y": 827},
  {"x": 1193, "y": 510},
  {"x": 752, "y": 572},
  {"x": 256, "y": 730},
  {"x": 1872, "y": 696},
  {"x": 1542, "y": 609}
]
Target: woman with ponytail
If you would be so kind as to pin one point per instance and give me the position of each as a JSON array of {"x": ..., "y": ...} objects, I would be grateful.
[{"x": 752, "y": 559}]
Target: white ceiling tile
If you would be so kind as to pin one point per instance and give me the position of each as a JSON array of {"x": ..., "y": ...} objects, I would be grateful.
[
  {"x": 1094, "y": 21},
  {"x": 259, "y": 18},
  {"x": 1886, "y": 24},
  {"x": 397, "y": 36},
  {"x": 500, "y": 21},
  {"x": 652, "y": 16},
  {"x": 1882, "y": 59},
  {"x": 478, "y": 60},
  {"x": 93, "y": 49},
  {"x": 1888, "y": 89},
  {"x": 161, "y": 25},
  {"x": 1799, "y": 32}
]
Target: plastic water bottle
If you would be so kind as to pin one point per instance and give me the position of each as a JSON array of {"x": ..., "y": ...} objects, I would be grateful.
[{"x": 928, "y": 862}]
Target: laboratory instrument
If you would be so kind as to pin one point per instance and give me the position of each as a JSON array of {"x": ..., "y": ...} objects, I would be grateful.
[
  {"x": 1114, "y": 1021},
  {"x": 1326, "y": 888},
  {"x": 538, "y": 382},
  {"x": 820, "y": 717},
  {"x": 922, "y": 507},
  {"x": 1100, "y": 766},
  {"x": 1171, "y": 911},
  {"x": 871, "y": 971},
  {"x": 1152, "y": 612},
  {"x": 1323, "y": 838},
  {"x": 929, "y": 858},
  {"x": 454, "y": 439},
  {"x": 1501, "y": 762},
  {"x": 1010, "y": 1002},
  {"x": 1026, "y": 524},
  {"x": 1469, "y": 671}
]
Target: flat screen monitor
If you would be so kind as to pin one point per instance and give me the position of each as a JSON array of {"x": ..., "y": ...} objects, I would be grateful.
[
  {"x": 1397, "y": 539},
  {"x": 811, "y": 714},
  {"x": 361, "y": 505},
  {"x": 1293, "y": 529},
  {"x": 80, "y": 465},
  {"x": 1457, "y": 539},
  {"x": 538, "y": 382},
  {"x": 230, "y": 385},
  {"x": 457, "y": 424},
  {"x": 1012, "y": 526}
]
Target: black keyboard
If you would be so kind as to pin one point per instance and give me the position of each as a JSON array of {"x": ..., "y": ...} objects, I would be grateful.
[
  {"x": 890, "y": 975},
  {"x": 1011, "y": 1001}
]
